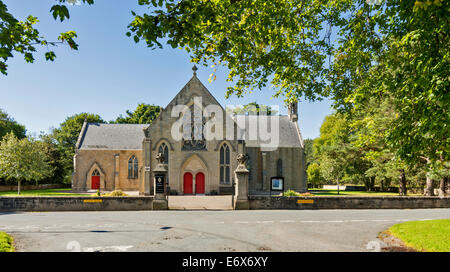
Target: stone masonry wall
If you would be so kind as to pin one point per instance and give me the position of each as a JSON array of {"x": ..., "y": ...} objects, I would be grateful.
[
  {"x": 105, "y": 159},
  {"x": 350, "y": 202}
]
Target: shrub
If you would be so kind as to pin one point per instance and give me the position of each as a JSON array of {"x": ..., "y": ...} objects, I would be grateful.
[
  {"x": 6, "y": 243},
  {"x": 290, "y": 193},
  {"x": 116, "y": 193},
  {"x": 294, "y": 193}
]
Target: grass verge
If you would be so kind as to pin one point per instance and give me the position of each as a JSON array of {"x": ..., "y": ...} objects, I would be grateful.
[
  {"x": 428, "y": 235},
  {"x": 44, "y": 192},
  {"x": 6, "y": 243},
  {"x": 325, "y": 192}
]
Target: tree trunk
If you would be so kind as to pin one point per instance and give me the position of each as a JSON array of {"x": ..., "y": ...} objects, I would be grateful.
[
  {"x": 371, "y": 184},
  {"x": 402, "y": 184},
  {"x": 442, "y": 186},
  {"x": 429, "y": 190},
  {"x": 18, "y": 188}
]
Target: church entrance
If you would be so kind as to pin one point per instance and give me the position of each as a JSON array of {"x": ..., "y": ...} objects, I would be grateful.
[
  {"x": 193, "y": 176},
  {"x": 200, "y": 183},
  {"x": 95, "y": 180},
  {"x": 187, "y": 183}
]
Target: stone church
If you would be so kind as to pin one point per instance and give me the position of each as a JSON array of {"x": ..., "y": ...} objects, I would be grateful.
[{"x": 122, "y": 156}]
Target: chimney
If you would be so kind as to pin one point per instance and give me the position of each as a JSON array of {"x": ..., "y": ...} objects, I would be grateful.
[{"x": 293, "y": 111}]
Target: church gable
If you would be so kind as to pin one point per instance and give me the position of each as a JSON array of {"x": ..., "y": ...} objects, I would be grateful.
[{"x": 193, "y": 90}]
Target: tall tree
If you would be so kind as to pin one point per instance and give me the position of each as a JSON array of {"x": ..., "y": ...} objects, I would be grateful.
[
  {"x": 22, "y": 37},
  {"x": 340, "y": 160},
  {"x": 66, "y": 136},
  {"x": 22, "y": 160},
  {"x": 314, "y": 174},
  {"x": 400, "y": 49},
  {"x": 55, "y": 159},
  {"x": 259, "y": 41},
  {"x": 8, "y": 124},
  {"x": 144, "y": 114}
]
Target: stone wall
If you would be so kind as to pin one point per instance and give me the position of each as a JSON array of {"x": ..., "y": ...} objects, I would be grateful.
[
  {"x": 76, "y": 203},
  {"x": 264, "y": 165},
  {"x": 347, "y": 202},
  {"x": 255, "y": 203},
  {"x": 113, "y": 176}
]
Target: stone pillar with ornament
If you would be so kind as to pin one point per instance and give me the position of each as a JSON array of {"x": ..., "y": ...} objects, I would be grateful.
[
  {"x": 240, "y": 198},
  {"x": 159, "y": 184},
  {"x": 147, "y": 188}
]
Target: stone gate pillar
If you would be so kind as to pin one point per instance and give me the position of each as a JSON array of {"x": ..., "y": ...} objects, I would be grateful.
[
  {"x": 116, "y": 171},
  {"x": 159, "y": 184},
  {"x": 241, "y": 173},
  {"x": 147, "y": 170}
]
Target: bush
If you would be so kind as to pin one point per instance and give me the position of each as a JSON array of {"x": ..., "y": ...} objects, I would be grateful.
[
  {"x": 116, "y": 193},
  {"x": 6, "y": 243},
  {"x": 290, "y": 193},
  {"x": 294, "y": 193}
]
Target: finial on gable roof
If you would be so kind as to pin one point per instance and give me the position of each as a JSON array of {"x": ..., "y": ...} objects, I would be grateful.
[{"x": 195, "y": 70}]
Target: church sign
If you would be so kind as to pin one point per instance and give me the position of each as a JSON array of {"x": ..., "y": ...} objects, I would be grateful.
[
  {"x": 159, "y": 186},
  {"x": 277, "y": 184}
]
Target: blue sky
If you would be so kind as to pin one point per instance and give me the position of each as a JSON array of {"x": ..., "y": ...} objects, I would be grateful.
[{"x": 110, "y": 73}]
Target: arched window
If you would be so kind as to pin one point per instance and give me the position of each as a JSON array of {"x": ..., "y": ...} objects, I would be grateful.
[
  {"x": 279, "y": 168},
  {"x": 163, "y": 149},
  {"x": 133, "y": 167},
  {"x": 96, "y": 173},
  {"x": 225, "y": 164}
]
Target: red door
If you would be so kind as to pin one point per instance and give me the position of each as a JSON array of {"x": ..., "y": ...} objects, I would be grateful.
[
  {"x": 200, "y": 183},
  {"x": 95, "y": 182},
  {"x": 187, "y": 182}
]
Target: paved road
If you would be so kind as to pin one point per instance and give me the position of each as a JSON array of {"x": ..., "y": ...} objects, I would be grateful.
[{"x": 269, "y": 230}]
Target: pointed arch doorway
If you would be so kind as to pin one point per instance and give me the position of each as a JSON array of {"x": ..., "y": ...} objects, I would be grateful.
[
  {"x": 194, "y": 176},
  {"x": 95, "y": 180}
]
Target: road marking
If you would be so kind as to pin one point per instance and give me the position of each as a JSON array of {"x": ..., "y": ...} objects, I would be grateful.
[
  {"x": 311, "y": 221},
  {"x": 287, "y": 221},
  {"x": 241, "y": 222},
  {"x": 221, "y": 222},
  {"x": 263, "y": 222},
  {"x": 109, "y": 248},
  {"x": 335, "y": 221},
  {"x": 379, "y": 220},
  {"x": 357, "y": 220}
]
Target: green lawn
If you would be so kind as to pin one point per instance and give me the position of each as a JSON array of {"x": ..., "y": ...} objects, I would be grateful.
[
  {"x": 6, "y": 243},
  {"x": 45, "y": 192},
  {"x": 325, "y": 192},
  {"x": 428, "y": 235}
]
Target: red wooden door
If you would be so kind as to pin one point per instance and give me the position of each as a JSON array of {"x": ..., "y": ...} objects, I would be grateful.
[
  {"x": 200, "y": 183},
  {"x": 95, "y": 182},
  {"x": 187, "y": 183}
]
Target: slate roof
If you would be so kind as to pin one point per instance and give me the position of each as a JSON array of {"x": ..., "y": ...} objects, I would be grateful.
[
  {"x": 130, "y": 136},
  {"x": 289, "y": 134},
  {"x": 112, "y": 136}
]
